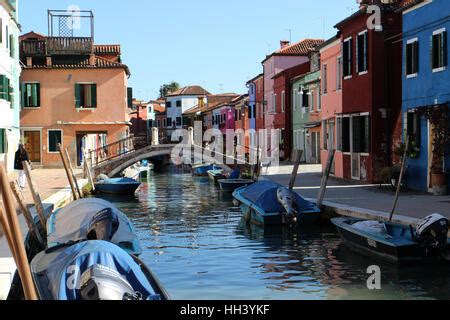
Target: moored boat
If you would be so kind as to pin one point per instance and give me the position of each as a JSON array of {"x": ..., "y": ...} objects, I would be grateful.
[
  {"x": 269, "y": 203},
  {"x": 394, "y": 242},
  {"x": 202, "y": 170},
  {"x": 93, "y": 270},
  {"x": 230, "y": 185},
  {"x": 215, "y": 175},
  {"x": 123, "y": 186}
]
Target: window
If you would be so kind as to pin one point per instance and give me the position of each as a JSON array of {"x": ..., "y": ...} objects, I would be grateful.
[
  {"x": 2, "y": 141},
  {"x": 85, "y": 95},
  {"x": 324, "y": 79},
  {"x": 1, "y": 31},
  {"x": 361, "y": 49},
  {"x": 178, "y": 121},
  {"x": 412, "y": 57},
  {"x": 283, "y": 101},
  {"x": 325, "y": 134},
  {"x": 178, "y": 103},
  {"x": 439, "y": 50},
  {"x": 343, "y": 134},
  {"x": 11, "y": 46},
  {"x": 169, "y": 104},
  {"x": 164, "y": 123},
  {"x": 5, "y": 88},
  {"x": 413, "y": 127},
  {"x": 361, "y": 134},
  {"x": 54, "y": 138},
  {"x": 31, "y": 95},
  {"x": 339, "y": 73},
  {"x": 274, "y": 103},
  {"x": 169, "y": 122},
  {"x": 348, "y": 57},
  {"x": 158, "y": 123},
  {"x": 7, "y": 37},
  {"x": 319, "y": 99},
  {"x": 305, "y": 98}
]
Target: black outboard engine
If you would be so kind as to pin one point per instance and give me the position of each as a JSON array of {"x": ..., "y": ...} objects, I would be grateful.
[
  {"x": 103, "y": 225},
  {"x": 432, "y": 232},
  {"x": 101, "y": 283}
]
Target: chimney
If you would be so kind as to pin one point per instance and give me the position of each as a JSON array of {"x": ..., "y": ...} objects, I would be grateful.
[
  {"x": 284, "y": 44},
  {"x": 49, "y": 62},
  {"x": 92, "y": 59},
  {"x": 29, "y": 61}
]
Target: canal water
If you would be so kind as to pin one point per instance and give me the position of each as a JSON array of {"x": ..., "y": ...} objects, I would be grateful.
[{"x": 196, "y": 243}]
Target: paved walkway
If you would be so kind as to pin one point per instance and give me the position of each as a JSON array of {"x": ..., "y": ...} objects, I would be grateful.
[{"x": 369, "y": 197}]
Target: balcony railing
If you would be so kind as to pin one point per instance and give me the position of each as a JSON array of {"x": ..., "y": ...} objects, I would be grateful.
[
  {"x": 63, "y": 45},
  {"x": 57, "y": 46}
]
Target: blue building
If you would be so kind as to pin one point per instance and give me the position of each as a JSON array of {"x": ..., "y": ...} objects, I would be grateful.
[
  {"x": 426, "y": 88},
  {"x": 252, "y": 103}
]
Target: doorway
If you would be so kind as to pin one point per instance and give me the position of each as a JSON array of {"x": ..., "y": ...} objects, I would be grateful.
[{"x": 32, "y": 143}]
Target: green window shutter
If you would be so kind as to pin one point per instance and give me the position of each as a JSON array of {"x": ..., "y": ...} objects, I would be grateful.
[
  {"x": 77, "y": 95},
  {"x": 2, "y": 87},
  {"x": 94, "y": 96},
  {"x": 11, "y": 46},
  {"x": 2, "y": 141},
  {"x": 38, "y": 94},
  {"x": 34, "y": 95},
  {"x": 22, "y": 95},
  {"x": 444, "y": 48}
]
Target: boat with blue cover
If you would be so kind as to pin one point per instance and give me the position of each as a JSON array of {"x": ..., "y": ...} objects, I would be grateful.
[
  {"x": 269, "y": 203},
  {"x": 395, "y": 242},
  {"x": 123, "y": 186},
  {"x": 93, "y": 270},
  {"x": 202, "y": 170}
]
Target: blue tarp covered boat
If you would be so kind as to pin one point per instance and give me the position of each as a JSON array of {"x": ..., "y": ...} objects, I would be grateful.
[
  {"x": 93, "y": 270},
  {"x": 260, "y": 204},
  {"x": 124, "y": 186},
  {"x": 202, "y": 170},
  {"x": 394, "y": 242}
]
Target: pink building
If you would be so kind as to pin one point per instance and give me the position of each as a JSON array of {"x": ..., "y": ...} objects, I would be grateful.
[
  {"x": 286, "y": 57},
  {"x": 331, "y": 86}
]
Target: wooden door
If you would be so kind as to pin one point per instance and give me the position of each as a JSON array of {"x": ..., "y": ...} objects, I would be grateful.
[{"x": 32, "y": 143}]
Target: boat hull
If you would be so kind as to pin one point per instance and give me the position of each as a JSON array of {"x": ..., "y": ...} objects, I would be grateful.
[
  {"x": 258, "y": 216},
  {"x": 118, "y": 186},
  {"x": 216, "y": 175},
  {"x": 230, "y": 185},
  {"x": 397, "y": 248}
]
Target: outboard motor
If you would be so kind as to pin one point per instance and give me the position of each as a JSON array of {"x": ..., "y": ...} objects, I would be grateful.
[
  {"x": 432, "y": 232},
  {"x": 102, "y": 177},
  {"x": 287, "y": 199},
  {"x": 103, "y": 225},
  {"x": 102, "y": 283}
]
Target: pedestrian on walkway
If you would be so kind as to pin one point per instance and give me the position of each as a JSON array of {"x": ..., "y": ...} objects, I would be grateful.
[{"x": 20, "y": 157}]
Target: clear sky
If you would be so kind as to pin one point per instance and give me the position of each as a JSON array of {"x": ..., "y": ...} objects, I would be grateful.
[{"x": 218, "y": 44}]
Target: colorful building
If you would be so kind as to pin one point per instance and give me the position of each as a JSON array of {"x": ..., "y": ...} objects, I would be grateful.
[
  {"x": 286, "y": 57},
  {"x": 306, "y": 102},
  {"x": 283, "y": 111},
  {"x": 9, "y": 82},
  {"x": 74, "y": 93},
  {"x": 331, "y": 85},
  {"x": 426, "y": 90},
  {"x": 370, "y": 124}
]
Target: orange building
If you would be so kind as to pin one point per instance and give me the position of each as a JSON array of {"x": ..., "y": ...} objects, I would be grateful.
[{"x": 74, "y": 93}]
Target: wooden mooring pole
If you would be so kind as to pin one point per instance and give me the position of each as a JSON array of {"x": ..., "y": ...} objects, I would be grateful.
[
  {"x": 36, "y": 197},
  {"x": 10, "y": 224},
  {"x": 297, "y": 158},
  {"x": 69, "y": 176},
  {"x": 69, "y": 162},
  {"x": 87, "y": 168},
  {"x": 399, "y": 184},
  {"x": 325, "y": 177}
]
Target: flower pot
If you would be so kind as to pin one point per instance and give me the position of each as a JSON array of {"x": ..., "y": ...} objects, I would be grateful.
[{"x": 439, "y": 184}]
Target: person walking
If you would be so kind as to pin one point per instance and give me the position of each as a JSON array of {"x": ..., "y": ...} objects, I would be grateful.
[{"x": 20, "y": 157}]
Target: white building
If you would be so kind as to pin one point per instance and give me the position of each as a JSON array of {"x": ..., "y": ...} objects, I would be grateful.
[
  {"x": 180, "y": 101},
  {"x": 9, "y": 82}
]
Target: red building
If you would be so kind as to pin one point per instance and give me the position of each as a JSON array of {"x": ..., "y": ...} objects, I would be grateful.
[
  {"x": 138, "y": 118},
  {"x": 283, "y": 110},
  {"x": 370, "y": 122}
]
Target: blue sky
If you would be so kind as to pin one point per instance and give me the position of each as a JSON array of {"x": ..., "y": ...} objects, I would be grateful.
[{"x": 216, "y": 44}]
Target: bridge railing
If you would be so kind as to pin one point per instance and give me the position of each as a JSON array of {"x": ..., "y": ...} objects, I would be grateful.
[{"x": 112, "y": 151}]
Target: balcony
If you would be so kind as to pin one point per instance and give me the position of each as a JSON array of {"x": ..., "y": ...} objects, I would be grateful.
[{"x": 58, "y": 46}]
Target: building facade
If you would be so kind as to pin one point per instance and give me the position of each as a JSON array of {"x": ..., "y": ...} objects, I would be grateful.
[
  {"x": 370, "y": 124},
  {"x": 426, "y": 93},
  {"x": 331, "y": 85},
  {"x": 76, "y": 97},
  {"x": 10, "y": 90}
]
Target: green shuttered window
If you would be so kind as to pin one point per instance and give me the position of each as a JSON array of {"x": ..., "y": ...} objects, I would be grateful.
[
  {"x": 5, "y": 88},
  {"x": 54, "y": 138},
  {"x": 31, "y": 95},
  {"x": 85, "y": 95},
  {"x": 2, "y": 141}
]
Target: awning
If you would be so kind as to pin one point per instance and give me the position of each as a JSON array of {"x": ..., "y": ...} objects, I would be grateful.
[{"x": 314, "y": 124}]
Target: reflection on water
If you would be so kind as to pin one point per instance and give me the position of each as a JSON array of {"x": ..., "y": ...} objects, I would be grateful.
[{"x": 196, "y": 243}]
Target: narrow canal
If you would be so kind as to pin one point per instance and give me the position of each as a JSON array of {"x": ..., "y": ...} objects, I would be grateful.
[{"x": 195, "y": 242}]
